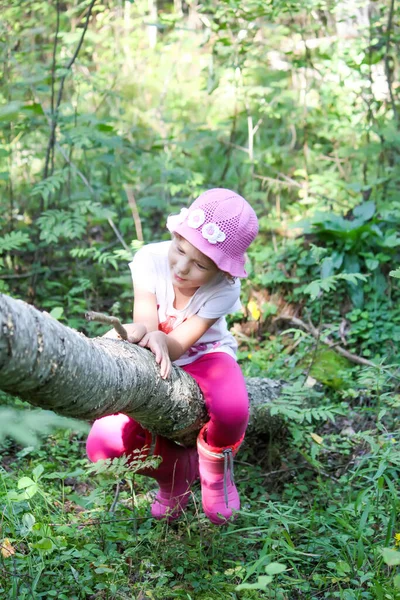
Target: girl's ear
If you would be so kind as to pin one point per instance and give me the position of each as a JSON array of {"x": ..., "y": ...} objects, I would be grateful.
[{"x": 229, "y": 277}]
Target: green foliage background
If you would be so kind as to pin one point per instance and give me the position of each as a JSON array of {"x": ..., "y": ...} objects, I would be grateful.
[{"x": 114, "y": 114}]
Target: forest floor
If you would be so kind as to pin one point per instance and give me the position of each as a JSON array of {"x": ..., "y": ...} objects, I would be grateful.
[{"x": 318, "y": 519}]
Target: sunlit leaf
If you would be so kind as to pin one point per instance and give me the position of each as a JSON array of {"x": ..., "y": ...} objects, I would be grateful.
[{"x": 6, "y": 548}]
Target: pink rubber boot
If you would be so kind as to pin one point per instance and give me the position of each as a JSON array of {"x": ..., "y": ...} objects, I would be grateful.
[
  {"x": 177, "y": 472},
  {"x": 115, "y": 435},
  {"x": 219, "y": 495}
]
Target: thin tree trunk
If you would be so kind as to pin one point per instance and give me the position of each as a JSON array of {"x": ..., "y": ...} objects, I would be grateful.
[
  {"x": 152, "y": 26},
  {"x": 54, "y": 367}
]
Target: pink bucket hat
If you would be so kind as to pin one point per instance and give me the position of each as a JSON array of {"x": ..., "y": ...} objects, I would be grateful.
[{"x": 222, "y": 225}]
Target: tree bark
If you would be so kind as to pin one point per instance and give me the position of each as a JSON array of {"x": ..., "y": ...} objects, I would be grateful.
[{"x": 52, "y": 366}]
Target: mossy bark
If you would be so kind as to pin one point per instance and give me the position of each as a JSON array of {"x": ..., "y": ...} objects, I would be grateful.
[{"x": 52, "y": 366}]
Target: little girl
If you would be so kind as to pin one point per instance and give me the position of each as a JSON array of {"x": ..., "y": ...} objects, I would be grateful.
[{"x": 182, "y": 291}]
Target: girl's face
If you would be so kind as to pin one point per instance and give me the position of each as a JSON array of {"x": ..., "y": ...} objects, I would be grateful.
[{"x": 189, "y": 267}]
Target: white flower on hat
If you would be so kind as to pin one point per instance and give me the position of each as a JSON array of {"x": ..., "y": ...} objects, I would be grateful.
[
  {"x": 196, "y": 218},
  {"x": 174, "y": 220},
  {"x": 212, "y": 233}
]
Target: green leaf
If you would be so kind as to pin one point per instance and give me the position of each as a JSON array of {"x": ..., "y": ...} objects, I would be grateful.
[
  {"x": 365, "y": 211},
  {"x": 33, "y": 108},
  {"x": 392, "y": 241},
  {"x": 395, "y": 273},
  {"x": 313, "y": 289},
  {"x": 25, "y": 482},
  {"x": 37, "y": 471},
  {"x": 337, "y": 259},
  {"x": 261, "y": 584},
  {"x": 326, "y": 267},
  {"x": 57, "y": 312},
  {"x": 43, "y": 544},
  {"x": 352, "y": 268},
  {"x": 274, "y": 568},
  {"x": 318, "y": 253},
  {"x": 13, "y": 496},
  {"x": 379, "y": 282},
  {"x": 105, "y": 127},
  {"x": 9, "y": 112},
  {"x": 343, "y": 567},
  {"x": 25, "y": 426},
  {"x": 391, "y": 557},
  {"x": 372, "y": 263},
  {"x": 13, "y": 241},
  {"x": 28, "y": 521},
  {"x": 264, "y": 580},
  {"x": 29, "y": 492},
  {"x": 356, "y": 294}
]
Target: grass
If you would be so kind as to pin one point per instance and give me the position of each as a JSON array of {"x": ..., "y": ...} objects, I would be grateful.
[{"x": 319, "y": 508}]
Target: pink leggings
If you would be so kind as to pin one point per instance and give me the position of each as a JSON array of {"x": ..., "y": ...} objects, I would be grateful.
[{"x": 222, "y": 383}]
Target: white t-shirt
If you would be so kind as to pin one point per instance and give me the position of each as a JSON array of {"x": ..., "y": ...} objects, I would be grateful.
[{"x": 217, "y": 298}]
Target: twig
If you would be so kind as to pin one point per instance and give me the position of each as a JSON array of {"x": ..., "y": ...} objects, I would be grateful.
[
  {"x": 287, "y": 182},
  {"x": 50, "y": 146},
  {"x": 114, "y": 504},
  {"x": 387, "y": 67},
  {"x": 54, "y": 115},
  {"x": 97, "y": 522},
  {"x": 236, "y": 146},
  {"x": 359, "y": 360},
  {"x": 113, "y": 321},
  {"x": 318, "y": 338},
  {"x": 117, "y": 233},
  {"x": 230, "y": 144},
  {"x": 85, "y": 181},
  {"x": 31, "y": 273},
  {"x": 251, "y": 130},
  {"x": 12, "y": 573},
  {"x": 293, "y": 141},
  {"x": 135, "y": 212}
]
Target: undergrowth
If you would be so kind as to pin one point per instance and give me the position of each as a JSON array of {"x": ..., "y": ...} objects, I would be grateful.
[
  {"x": 318, "y": 519},
  {"x": 225, "y": 96}
]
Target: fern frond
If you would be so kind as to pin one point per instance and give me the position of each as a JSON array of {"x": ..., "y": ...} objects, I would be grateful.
[
  {"x": 329, "y": 284},
  {"x": 82, "y": 285},
  {"x": 48, "y": 186},
  {"x": 99, "y": 256},
  {"x": 13, "y": 241},
  {"x": 295, "y": 404},
  {"x": 82, "y": 252},
  {"x": 55, "y": 224}
]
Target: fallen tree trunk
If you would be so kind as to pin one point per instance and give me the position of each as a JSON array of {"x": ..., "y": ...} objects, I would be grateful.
[{"x": 52, "y": 366}]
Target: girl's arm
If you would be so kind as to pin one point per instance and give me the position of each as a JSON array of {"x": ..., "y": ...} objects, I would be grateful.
[
  {"x": 145, "y": 317},
  {"x": 145, "y": 309},
  {"x": 167, "y": 348},
  {"x": 185, "y": 335}
]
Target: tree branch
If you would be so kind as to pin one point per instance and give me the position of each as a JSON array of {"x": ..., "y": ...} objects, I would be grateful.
[
  {"x": 135, "y": 212},
  {"x": 386, "y": 59},
  {"x": 91, "y": 315},
  {"x": 55, "y": 108},
  {"x": 359, "y": 360},
  {"x": 86, "y": 182},
  {"x": 52, "y": 366},
  {"x": 50, "y": 146}
]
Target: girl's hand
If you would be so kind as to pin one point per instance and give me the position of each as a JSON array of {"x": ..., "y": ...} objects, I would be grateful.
[{"x": 156, "y": 341}]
